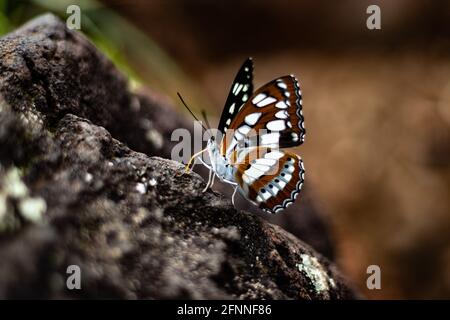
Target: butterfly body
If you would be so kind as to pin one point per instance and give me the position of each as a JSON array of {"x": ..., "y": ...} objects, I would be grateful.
[
  {"x": 220, "y": 164},
  {"x": 255, "y": 126}
]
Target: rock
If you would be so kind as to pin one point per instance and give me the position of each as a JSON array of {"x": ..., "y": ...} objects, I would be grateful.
[
  {"x": 74, "y": 190},
  {"x": 48, "y": 71}
]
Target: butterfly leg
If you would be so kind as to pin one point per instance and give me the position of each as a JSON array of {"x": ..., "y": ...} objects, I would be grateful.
[
  {"x": 212, "y": 181},
  {"x": 209, "y": 181},
  {"x": 193, "y": 158},
  {"x": 232, "y": 197}
]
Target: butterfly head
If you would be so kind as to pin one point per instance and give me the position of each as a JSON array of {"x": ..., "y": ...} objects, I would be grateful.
[{"x": 213, "y": 148}]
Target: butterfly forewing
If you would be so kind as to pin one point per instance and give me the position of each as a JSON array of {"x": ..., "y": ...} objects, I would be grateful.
[
  {"x": 240, "y": 92},
  {"x": 270, "y": 178},
  {"x": 273, "y": 114}
]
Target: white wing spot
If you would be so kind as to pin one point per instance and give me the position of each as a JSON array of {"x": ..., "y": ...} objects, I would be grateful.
[
  {"x": 270, "y": 138},
  {"x": 252, "y": 118},
  {"x": 238, "y": 89},
  {"x": 272, "y": 188},
  {"x": 282, "y": 114},
  {"x": 232, "y": 108},
  {"x": 287, "y": 177},
  {"x": 264, "y": 195},
  {"x": 235, "y": 87},
  {"x": 281, "y": 105},
  {"x": 276, "y": 125},
  {"x": 261, "y": 167},
  {"x": 258, "y": 98},
  {"x": 253, "y": 174},
  {"x": 275, "y": 154},
  {"x": 282, "y": 85},
  {"x": 244, "y": 130},
  {"x": 294, "y": 136},
  {"x": 289, "y": 169},
  {"x": 281, "y": 184},
  {"x": 265, "y": 161},
  {"x": 238, "y": 136},
  {"x": 266, "y": 101}
]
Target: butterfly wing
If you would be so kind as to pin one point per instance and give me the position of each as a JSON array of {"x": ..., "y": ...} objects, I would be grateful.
[
  {"x": 240, "y": 92},
  {"x": 273, "y": 115},
  {"x": 270, "y": 178}
]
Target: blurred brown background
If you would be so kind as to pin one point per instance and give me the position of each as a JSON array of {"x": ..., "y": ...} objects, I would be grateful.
[{"x": 376, "y": 106}]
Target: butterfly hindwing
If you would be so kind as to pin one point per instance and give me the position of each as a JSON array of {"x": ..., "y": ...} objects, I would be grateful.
[
  {"x": 273, "y": 115},
  {"x": 240, "y": 92},
  {"x": 269, "y": 178}
]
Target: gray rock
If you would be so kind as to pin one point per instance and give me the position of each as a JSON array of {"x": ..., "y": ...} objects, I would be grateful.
[{"x": 74, "y": 190}]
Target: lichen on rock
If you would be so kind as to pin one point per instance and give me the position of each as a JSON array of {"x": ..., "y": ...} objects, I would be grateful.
[
  {"x": 317, "y": 274},
  {"x": 16, "y": 204}
]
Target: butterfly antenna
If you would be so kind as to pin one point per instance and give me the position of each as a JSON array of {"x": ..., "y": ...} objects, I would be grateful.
[
  {"x": 205, "y": 118},
  {"x": 192, "y": 114}
]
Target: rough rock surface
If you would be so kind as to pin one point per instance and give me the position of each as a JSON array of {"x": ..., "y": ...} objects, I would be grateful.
[{"x": 74, "y": 192}]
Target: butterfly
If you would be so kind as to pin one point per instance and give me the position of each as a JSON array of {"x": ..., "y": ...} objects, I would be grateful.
[{"x": 253, "y": 127}]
